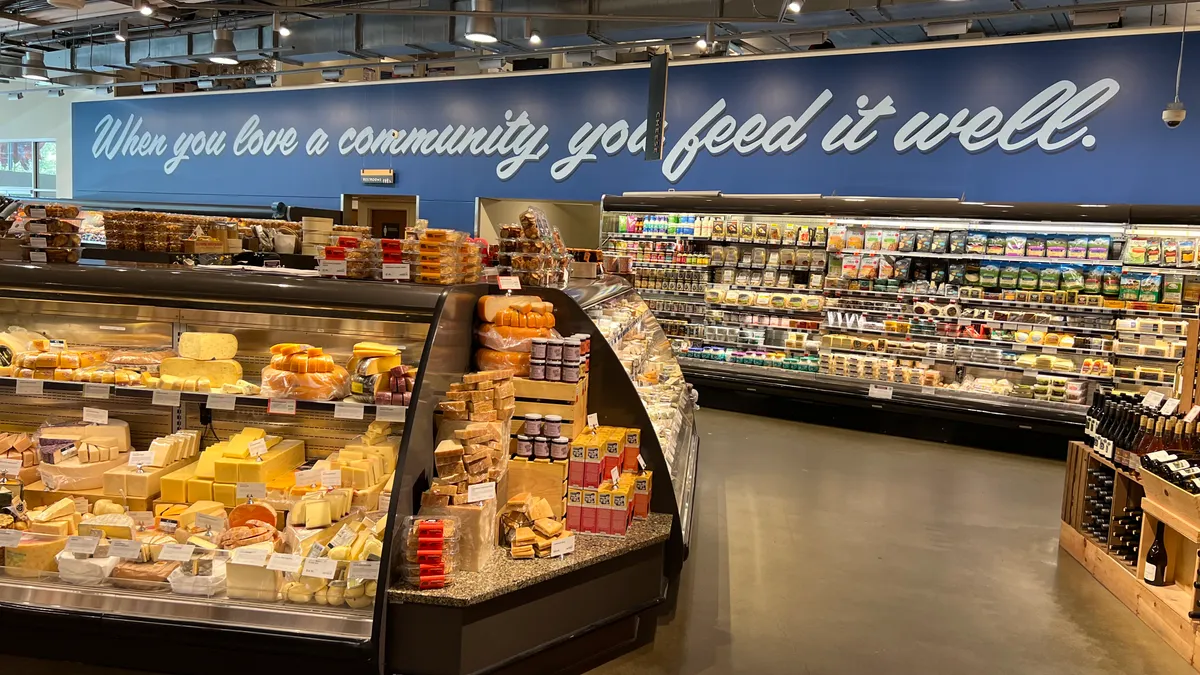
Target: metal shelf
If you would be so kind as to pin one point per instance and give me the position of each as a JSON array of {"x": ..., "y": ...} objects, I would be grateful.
[
  {"x": 654, "y": 236},
  {"x": 1041, "y": 305},
  {"x": 670, "y": 265},
  {"x": 977, "y": 256}
]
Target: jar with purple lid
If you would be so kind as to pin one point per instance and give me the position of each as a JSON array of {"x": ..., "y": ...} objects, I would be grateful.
[
  {"x": 554, "y": 351},
  {"x": 541, "y": 447},
  {"x": 554, "y": 371},
  {"x": 560, "y": 448},
  {"x": 570, "y": 372},
  {"x": 537, "y": 369},
  {"x": 538, "y": 351},
  {"x": 571, "y": 351},
  {"x": 524, "y": 446},
  {"x": 533, "y": 424},
  {"x": 552, "y": 426}
]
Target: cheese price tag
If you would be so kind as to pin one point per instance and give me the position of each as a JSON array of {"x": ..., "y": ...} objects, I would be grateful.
[
  {"x": 81, "y": 504},
  {"x": 508, "y": 283},
  {"x": 396, "y": 271},
  {"x": 167, "y": 398},
  {"x": 1170, "y": 406},
  {"x": 37, "y": 256},
  {"x": 1029, "y": 373},
  {"x": 258, "y": 447},
  {"x": 322, "y": 568},
  {"x": 615, "y": 475},
  {"x": 10, "y": 538},
  {"x": 221, "y": 402},
  {"x": 251, "y": 490},
  {"x": 84, "y": 545},
  {"x": 95, "y": 415},
  {"x": 363, "y": 569},
  {"x": 128, "y": 549},
  {"x": 391, "y": 413},
  {"x": 29, "y": 387},
  {"x": 177, "y": 552},
  {"x": 348, "y": 411},
  {"x": 562, "y": 546},
  {"x": 245, "y": 555},
  {"x": 332, "y": 268},
  {"x": 308, "y": 477},
  {"x": 1153, "y": 399},
  {"x": 141, "y": 458},
  {"x": 1192, "y": 414},
  {"x": 879, "y": 391},
  {"x": 1049, "y": 350},
  {"x": 593, "y": 420},
  {"x": 11, "y": 467},
  {"x": 1018, "y": 347},
  {"x": 100, "y": 391},
  {"x": 142, "y": 518},
  {"x": 37, "y": 242},
  {"x": 285, "y": 562},
  {"x": 331, "y": 479},
  {"x": 481, "y": 491},
  {"x": 281, "y": 406},
  {"x": 344, "y": 537},
  {"x": 1148, "y": 340},
  {"x": 384, "y": 502},
  {"x": 205, "y": 521}
]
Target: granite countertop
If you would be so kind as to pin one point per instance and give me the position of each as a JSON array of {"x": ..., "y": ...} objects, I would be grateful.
[{"x": 501, "y": 574}]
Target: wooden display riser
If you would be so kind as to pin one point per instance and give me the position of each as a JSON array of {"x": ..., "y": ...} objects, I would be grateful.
[{"x": 38, "y": 494}]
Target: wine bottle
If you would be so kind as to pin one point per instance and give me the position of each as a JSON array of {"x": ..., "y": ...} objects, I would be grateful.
[{"x": 1155, "y": 572}]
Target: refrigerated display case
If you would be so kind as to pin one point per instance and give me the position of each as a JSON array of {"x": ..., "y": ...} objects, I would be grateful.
[{"x": 1012, "y": 313}]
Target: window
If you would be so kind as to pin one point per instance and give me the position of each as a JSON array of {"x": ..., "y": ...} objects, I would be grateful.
[{"x": 28, "y": 168}]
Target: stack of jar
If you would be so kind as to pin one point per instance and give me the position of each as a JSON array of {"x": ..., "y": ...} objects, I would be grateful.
[
  {"x": 541, "y": 438},
  {"x": 560, "y": 360}
]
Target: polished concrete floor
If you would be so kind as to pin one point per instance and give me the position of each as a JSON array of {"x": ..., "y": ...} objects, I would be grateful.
[
  {"x": 824, "y": 551},
  {"x": 821, "y": 551}
]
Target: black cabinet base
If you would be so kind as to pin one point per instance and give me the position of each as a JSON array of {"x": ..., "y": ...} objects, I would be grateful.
[{"x": 568, "y": 624}]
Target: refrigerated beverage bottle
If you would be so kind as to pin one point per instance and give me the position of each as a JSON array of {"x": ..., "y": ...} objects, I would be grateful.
[{"x": 1155, "y": 572}]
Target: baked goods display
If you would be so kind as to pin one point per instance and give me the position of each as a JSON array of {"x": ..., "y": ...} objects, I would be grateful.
[
  {"x": 183, "y": 233},
  {"x": 533, "y": 251}
]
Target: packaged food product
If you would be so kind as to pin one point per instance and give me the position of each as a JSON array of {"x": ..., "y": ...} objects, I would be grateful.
[
  {"x": 1130, "y": 286},
  {"x": 1172, "y": 288},
  {"x": 742, "y": 278},
  {"x": 907, "y": 241},
  {"x": 995, "y": 244},
  {"x": 873, "y": 240},
  {"x": 989, "y": 275},
  {"x": 1072, "y": 279},
  {"x": 1014, "y": 244},
  {"x": 1111, "y": 282},
  {"x": 902, "y": 269},
  {"x": 1135, "y": 251},
  {"x": 887, "y": 266},
  {"x": 787, "y": 258},
  {"x": 1049, "y": 278},
  {"x": 1009, "y": 276},
  {"x": 937, "y": 273},
  {"x": 306, "y": 386},
  {"x": 820, "y": 235},
  {"x": 1097, "y": 248},
  {"x": 716, "y": 255},
  {"x": 1056, "y": 247},
  {"x": 756, "y": 278},
  {"x": 977, "y": 243},
  {"x": 869, "y": 268},
  {"x": 789, "y": 233},
  {"x": 1170, "y": 253},
  {"x": 1150, "y": 288},
  {"x": 940, "y": 242},
  {"x": 924, "y": 241},
  {"x": 850, "y": 265},
  {"x": 854, "y": 238},
  {"x": 890, "y": 240},
  {"x": 1187, "y": 252},
  {"x": 1153, "y": 252},
  {"x": 958, "y": 241},
  {"x": 1191, "y": 290},
  {"x": 816, "y": 259},
  {"x": 1092, "y": 280},
  {"x": 1035, "y": 246},
  {"x": 490, "y": 359},
  {"x": 762, "y": 233},
  {"x": 1028, "y": 279},
  {"x": 1077, "y": 247},
  {"x": 775, "y": 233},
  {"x": 956, "y": 274}
]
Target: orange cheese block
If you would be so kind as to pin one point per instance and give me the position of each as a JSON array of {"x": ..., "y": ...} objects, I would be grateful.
[{"x": 258, "y": 511}]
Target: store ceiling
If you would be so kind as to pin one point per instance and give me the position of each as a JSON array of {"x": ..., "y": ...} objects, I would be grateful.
[{"x": 175, "y": 42}]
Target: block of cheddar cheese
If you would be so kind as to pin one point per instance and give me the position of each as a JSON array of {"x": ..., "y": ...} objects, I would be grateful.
[
  {"x": 208, "y": 346},
  {"x": 219, "y": 372}
]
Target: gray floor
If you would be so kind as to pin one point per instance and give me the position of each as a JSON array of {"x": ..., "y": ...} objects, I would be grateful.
[{"x": 820, "y": 550}]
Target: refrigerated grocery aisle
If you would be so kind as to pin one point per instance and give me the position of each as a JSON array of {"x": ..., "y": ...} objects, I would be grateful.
[{"x": 830, "y": 551}]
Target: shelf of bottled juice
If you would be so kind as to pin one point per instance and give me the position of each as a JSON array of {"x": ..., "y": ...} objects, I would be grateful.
[{"x": 670, "y": 224}]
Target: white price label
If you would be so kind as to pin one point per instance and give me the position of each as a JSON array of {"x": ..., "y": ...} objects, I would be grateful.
[
  {"x": 1192, "y": 414},
  {"x": 221, "y": 402},
  {"x": 82, "y": 505},
  {"x": 615, "y": 475},
  {"x": 30, "y": 387},
  {"x": 879, "y": 391},
  {"x": 391, "y": 413},
  {"x": 37, "y": 212},
  {"x": 641, "y": 461},
  {"x": 384, "y": 502},
  {"x": 1170, "y": 406},
  {"x": 211, "y": 523},
  {"x": 256, "y": 557},
  {"x": 308, "y": 477},
  {"x": 1148, "y": 340},
  {"x": 344, "y": 537},
  {"x": 927, "y": 362},
  {"x": 281, "y": 406},
  {"x": 964, "y": 322},
  {"x": 396, "y": 271},
  {"x": 167, "y": 398},
  {"x": 333, "y": 268},
  {"x": 994, "y": 325},
  {"x": 100, "y": 391},
  {"x": 929, "y": 391},
  {"x": 593, "y": 420},
  {"x": 141, "y": 458},
  {"x": 1153, "y": 399},
  {"x": 1018, "y": 347},
  {"x": 331, "y": 479},
  {"x": 37, "y": 256},
  {"x": 1029, "y": 373},
  {"x": 562, "y": 546},
  {"x": 508, "y": 283},
  {"x": 284, "y": 562},
  {"x": 37, "y": 242},
  {"x": 363, "y": 569},
  {"x": 11, "y": 467},
  {"x": 1049, "y": 350},
  {"x": 58, "y": 345},
  {"x": 142, "y": 518},
  {"x": 177, "y": 552},
  {"x": 481, "y": 491},
  {"x": 321, "y": 568},
  {"x": 95, "y": 415},
  {"x": 84, "y": 545},
  {"x": 251, "y": 490},
  {"x": 258, "y": 447},
  {"x": 129, "y": 549},
  {"x": 10, "y": 538},
  {"x": 348, "y": 411}
]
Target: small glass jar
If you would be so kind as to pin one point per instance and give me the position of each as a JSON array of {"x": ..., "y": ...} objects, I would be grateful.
[
  {"x": 552, "y": 426},
  {"x": 533, "y": 424},
  {"x": 560, "y": 448},
  {"x": 554, "y": 372},
  {"x": 541, "y": 447},
  {"x": 570, "y": 372},
  {"x": 537, "y": 369},
  {"x": 524, "y": 446},
  {"x": 571, "y": 351},
  {"x": 554, "y": 351},
  {"x": 538, "y": 350}
]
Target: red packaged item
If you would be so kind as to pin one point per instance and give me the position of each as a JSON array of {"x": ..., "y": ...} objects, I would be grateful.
[
  {"x": 391, "y": 245},
  {"x": 347, "y": 242},
  {"x": 428, "y": 582},
  {"x": 335, "y": 253},
  {"x": 431, "y": 528}
]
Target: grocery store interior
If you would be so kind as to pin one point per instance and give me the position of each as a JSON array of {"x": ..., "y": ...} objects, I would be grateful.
[{"x": 465, "y": 337}]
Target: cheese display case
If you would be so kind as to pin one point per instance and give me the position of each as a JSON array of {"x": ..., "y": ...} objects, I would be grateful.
[{"x": 1017, "y": 312}]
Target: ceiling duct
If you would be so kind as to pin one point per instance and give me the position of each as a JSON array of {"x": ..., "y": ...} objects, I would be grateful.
[{"x": 68, "y": 4}]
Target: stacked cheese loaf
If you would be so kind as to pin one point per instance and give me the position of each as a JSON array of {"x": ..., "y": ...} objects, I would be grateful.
[
  {"x": 205, "y": 363},
  {"x": 509, "y": 325},
  {"x": 306, "y": 372}
]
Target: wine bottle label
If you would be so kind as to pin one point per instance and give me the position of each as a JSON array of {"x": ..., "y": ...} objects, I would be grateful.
[
  {"x": 1178, "y": 465},
  {"x": 1151, "y": 571},
  {"x": 1189, "y": 472}
]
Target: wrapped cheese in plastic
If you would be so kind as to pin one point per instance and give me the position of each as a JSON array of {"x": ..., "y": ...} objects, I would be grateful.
[
  {"x": 490, "y": 359},
  {"x": 511, "y": 338},
  {"x": 306, "y": 386}
]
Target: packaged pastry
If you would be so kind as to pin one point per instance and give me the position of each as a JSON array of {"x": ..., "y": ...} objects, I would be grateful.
[
  {"x": 1035, "y": 247},
  {"x": 837, "y": 238},
  {"x": 1028, "y": 279},
  {"x": 854, "y": 239},
  {"x": 989, "y": 275},
  {"x": 1014, "y": 244},
  {"x": 1077, "y": 248},
  {"x": 869, "y": 268},
  {"x": 995, "y": 244},
  {"x": 1150, "y": 288},
  {"x": 775, "y": 233},
  {"x": 924, "y": 241},
  {"x": 907, "y": 241},
  {"x": 890, "y": 240},
  {"x": 1172, "y": 288},
  {"x": 977, "y": 243},
  {"x": 872, "y": 240},
  {"x": 1111, "y": 282},
  {"x": 1170, "y": 253},
  {"x": 1056, "y": 247},
  {"x": 887, "y": 267},
  {"x": 940, "y": 242},
  {"x": 958, "y": 241},
  {"x": 1097, "y": 248},
  {"x": 1135, "y": 251},
  {"x": 1009, "y": 275},
  {"x": 1093, "y": 280}
]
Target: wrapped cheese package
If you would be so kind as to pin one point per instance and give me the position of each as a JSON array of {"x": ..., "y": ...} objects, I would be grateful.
[
  {"x": 512, "y": 338},
  {"x": 490, "y": 359},
  {"x": 306, "y": 386}
]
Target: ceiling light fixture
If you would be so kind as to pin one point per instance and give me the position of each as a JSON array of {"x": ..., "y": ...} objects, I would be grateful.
[
  {"x": 805, "y": 39},
  {"x": 279, "y": 26},
  {"x": 123, "y": 30},
  {"x": 531, "y": 34},
  {"x": 1102, "y": 17},
  {"x": 149, "y": 88},
  {"x": 947, "y": 28},
  {"x": 223, "y": 44},
  {"x": 33, "y": 67},
  {"x": 481, "y": 28},
  {"x": 143, "y": 7},
  {"x": 15, "y": 96},
  {"x": 206, "y": 83},
  {"x": 794, "y": 7},
  {"x": 55, "y": 93},
  {"x": 709, "y": 40}
]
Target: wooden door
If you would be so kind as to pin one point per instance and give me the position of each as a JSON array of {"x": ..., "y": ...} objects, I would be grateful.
[{"x": 388, "y": 223}]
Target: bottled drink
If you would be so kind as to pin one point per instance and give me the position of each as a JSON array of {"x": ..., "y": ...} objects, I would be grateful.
[{"x": 1155, "y": 573}]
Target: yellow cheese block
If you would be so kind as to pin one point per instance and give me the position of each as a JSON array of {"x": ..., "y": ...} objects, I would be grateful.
[
  {"x": 211, "y": 508},
  {"x": 317, "y": 514},
  {"x": 199, "y": 489},
  {"x": 226, "y": 493},
  {"x": 281, "y": 459},
  {"x": 219, "y": 372},
  {"x": 208, "y": 346},
  {"x": 205, "y": 467},
  {"x": 33, "y": 555},
  {"x": 249, "y": 582},
  {"x": 111, "y": 525},
  {"x": 355, "y": 477},
  {"x": 60, "y": 528},
  {"x": 146, "y": 484},
  {"x": 174, "y": 485},
  {"x": 59, "y": 509},
  {"x": 225, "y": 470}
]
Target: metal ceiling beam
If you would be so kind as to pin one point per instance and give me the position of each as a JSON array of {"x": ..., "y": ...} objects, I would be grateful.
[{"x": 20, "y": 18}]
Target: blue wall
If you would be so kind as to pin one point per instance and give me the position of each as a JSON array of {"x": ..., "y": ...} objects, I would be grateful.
[{"x": 1063, "y": 121}]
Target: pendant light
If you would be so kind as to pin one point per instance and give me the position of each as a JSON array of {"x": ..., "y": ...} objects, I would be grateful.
[
  {"x": 33, "y": 67},
  {"x": 223, "y": 45},
  {"x": 481, "y": 28}
]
